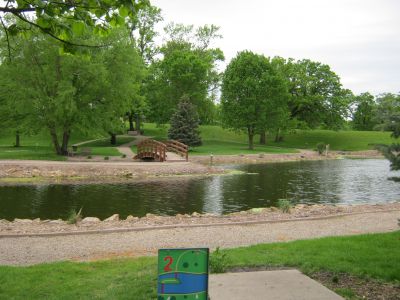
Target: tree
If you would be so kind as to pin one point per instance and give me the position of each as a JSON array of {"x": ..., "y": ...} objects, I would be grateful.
[
  {"x": 184, "y": 124},
  {"x": 66, "y": 20},
  {"x": 389, "y": 115},
  {"x": 317, "y": 97},
  {"x": 187, "y": 67},
  {"x": 387, "y": 109},
  {"x": 143, "y": 34},
  {"x": 364, "y": 117},
  {"x": 251, "y": 90},
  {"x": 67, "y": 93}
]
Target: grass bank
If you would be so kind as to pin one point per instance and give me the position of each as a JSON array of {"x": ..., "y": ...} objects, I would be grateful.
[
  {"x": 39, "y": 147},
  {"x": 221, "y": 141},
  {"x": 366, "y": 256},
  {"x": 216, "y": 140}
]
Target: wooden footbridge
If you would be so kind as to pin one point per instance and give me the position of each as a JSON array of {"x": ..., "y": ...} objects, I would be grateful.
[{"x": 171, "y": 150}]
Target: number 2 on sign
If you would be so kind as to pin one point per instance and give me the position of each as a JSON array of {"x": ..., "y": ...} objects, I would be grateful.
[{"x": 167, "y": 268}]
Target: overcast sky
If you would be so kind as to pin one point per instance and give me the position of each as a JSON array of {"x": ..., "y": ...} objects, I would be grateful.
[{"x": 359, "y": 39}]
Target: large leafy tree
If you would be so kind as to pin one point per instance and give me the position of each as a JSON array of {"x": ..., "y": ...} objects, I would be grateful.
[
  {"x": 364, "y": 116},
  {"x": 66, "y": 20},
  {"x": 143, "y": 34},
  {"x": 388, "y": 116},
  {"x": 66, "y": 93},
  {"x": 389, "y": 112},
  {"x": 187, "y": 67},
  {"x": 253, "y": 91},
  {"x": 317, "y": 97}
]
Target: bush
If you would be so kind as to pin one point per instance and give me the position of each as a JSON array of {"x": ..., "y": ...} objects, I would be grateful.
[
  {"x": 89, "y": 157},
  {"x": 106, "y": 158},
  {"x": 123, "y": 155},
  {"x": 218, "y": 261},
  {"x": 321, "y": 148},
  {"x": 74, "y": 217},
  {"x": 284, "y": 205}
]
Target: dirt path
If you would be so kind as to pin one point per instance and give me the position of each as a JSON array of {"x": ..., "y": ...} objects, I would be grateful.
[
  {"x": 33, "y": 250},
  {"x": 126, "y": 148}
]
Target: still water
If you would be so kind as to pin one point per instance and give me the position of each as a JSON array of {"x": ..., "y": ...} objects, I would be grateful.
[{"x": 332, "y": 181}]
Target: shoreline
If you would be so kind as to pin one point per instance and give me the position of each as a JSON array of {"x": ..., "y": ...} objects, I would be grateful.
[
  {"x": 113, "y": 224},
  {"x": 262, "y": 226},
  {"x": 72, "y": 172}
]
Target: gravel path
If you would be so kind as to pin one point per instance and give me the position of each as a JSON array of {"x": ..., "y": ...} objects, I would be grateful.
[{"x": 33, "y": 250}]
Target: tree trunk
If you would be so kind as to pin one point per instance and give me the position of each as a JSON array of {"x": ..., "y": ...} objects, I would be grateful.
[
  {"x": 130, "y": 118},
  {"x": 17, "y": 142},
  {"x": 54, "y": 140},
  {"x": 263, "y": 138},
  {"x": 64, "y": 146},
  {"x": 113, "y": 139},
  {"x": 137, "y": 123},
  {"x": 250, "y": 132},
  {"x": 278, "y": 136}
]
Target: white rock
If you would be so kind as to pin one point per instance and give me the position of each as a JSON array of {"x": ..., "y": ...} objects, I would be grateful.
[
  {"x": 91, "y": 220},
  {"x": 58, "y": 221},
  {"x": 150, "y": 215},
  {"x": 23, "y": 221},
  {"x": 114, "y": 217},
  {"x": 4, "y": 221},
  {"x": 195, "y": 214},
  {"x": 131, "y": 218}
]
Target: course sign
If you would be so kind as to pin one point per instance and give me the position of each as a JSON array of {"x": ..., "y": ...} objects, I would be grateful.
[{"x": 183, "y": 274}]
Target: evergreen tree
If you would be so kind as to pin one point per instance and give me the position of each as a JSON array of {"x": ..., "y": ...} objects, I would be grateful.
[{"x": 184, "y": 124}]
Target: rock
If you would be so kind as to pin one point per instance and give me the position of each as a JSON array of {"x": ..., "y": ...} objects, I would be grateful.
[
  {"x": 195, "y": 214},
  {"x": 150, "y": 216},
  {"x": 57, "y": 222},
  {"x": 209, "y": 215},
  {"x": 4, "y": 221},
  {"x": 22, "y": 221},
  {"x": 301, "y": 206},
  {"x": 273, "y": 208},
  {"x": 179, "y": 216},
  {"x": 131, "y": 218},
  {"x": 114, "y": 217},
  {"x": 90, "y": 220},
  {"x": 186, "y": 216},
  {"x": 37, "y": 220},
  {"x": 257, "y": 210},
  {"x": 243, "y": 212}
]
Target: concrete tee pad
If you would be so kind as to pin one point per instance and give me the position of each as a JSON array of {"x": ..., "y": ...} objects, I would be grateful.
[{"x": 268, "y": 285}]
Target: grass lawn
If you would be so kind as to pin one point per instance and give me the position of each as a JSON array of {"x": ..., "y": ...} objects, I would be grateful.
[
  {"x": 39, "y": 147},
  {"x": 370, "y": 256},
  {"x": 222, "y": 141},
  {"x": 104, "y": 148}
]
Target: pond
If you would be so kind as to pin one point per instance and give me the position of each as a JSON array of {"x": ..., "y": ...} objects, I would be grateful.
[{"x": 331, "y": 181}]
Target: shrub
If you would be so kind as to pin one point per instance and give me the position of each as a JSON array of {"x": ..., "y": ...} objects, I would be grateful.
[
  {"x": 106, "y": 158},
  {"x": 218, "y": 261},
  {"x": 123, "y": 155},
  {"x": 89, "y": 157},
  {"x": 284, "y": 205},
  {"x": 320, "y": 148},
  {"x": 74, "y": 217}
]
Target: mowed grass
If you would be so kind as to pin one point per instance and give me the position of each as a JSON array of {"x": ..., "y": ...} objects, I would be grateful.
[
  {"x": 218, "y": 140},
  {"x": 367, "y": 256},
  {"x": 39, "y": 147}
]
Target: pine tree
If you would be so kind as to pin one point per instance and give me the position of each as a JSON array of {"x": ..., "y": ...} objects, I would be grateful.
[{"x": 184, "y": 124}]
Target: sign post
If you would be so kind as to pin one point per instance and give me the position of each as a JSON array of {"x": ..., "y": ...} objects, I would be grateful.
[{"x": 183, "y": 274}]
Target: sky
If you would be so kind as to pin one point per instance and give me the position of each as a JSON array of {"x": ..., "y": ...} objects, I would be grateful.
[{"x": 358, "y": 39}]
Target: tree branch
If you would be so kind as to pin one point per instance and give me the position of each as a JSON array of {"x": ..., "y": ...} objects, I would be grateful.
[
  {"x": 46, "y": 31},
  {"x": 7, "y": 37}
]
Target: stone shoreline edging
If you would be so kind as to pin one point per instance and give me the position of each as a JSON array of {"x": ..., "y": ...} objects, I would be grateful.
[{"x": 170, "y": 226}]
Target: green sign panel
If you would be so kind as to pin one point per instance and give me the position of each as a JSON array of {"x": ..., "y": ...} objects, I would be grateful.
[{"x": 183, "y": 274}]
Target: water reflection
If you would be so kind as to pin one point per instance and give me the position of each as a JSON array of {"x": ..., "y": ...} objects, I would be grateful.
[{"x": 339, "y": 181}]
